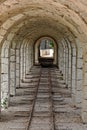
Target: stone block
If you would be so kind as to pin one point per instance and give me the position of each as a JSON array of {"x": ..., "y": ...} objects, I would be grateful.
[
  {"x": 17, "y": 74},
  {"x": 79, "y": 74},
  {"x": 1, "y": 38},
  {"x": 17, "y": 67},
  {"x": 78, "y": 96},
  {"x": 12, "y": 59},
  {"x": 4, "y": 86},
  {"x": 85, "y": 93},
  {"x": 17, "y": 60},
  {"x": 84, "y": 104},
  {"x": 4, "y": 61},
  {"x": 79, "y": 84},
  {"x": 12, "y": 66},
  {"x": 12, "y": 90},
  {"x": 2, "y": 31},
  {"x": 79, "y": 63},
  {"x": 73, "y": 89},
  {"x": 4, "y": 77},
  {"x": 6, "y": 52},
  {"x": 84, "y": 116},
  {"x": 12, "y": 74},
  {"x": 12, "y": 51},
  {"x": 8, "y": 24},
  {"x": 17, "y": 17},
  {"x": 85, "y": 80},
  {"x": 17, "y": 52},
  {"x": 85, "y": 66},
  {"x": 4, "y": 68},
  {"x": 80, "y": 53},
  {"x": 73, "y": 78},
  {"x": 17, "y": 81}
]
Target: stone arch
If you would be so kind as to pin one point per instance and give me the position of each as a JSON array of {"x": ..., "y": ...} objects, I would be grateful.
[
  {"x": 36, "y": 44},
  {"x": 63, "y": 13}
]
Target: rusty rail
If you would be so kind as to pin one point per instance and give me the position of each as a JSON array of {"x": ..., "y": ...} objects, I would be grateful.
[
  {"x": 33, "y": 104},
  {"x": 51, "y": 98}
]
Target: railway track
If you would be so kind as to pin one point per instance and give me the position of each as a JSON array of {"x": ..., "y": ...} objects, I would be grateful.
[
  {"x": 42, "y": 114},
  {"x": 48, "y": 97},
  {"x": 43, "y": 102}
]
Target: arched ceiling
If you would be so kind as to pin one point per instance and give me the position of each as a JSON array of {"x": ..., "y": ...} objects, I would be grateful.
[{"x": 56, "y": 18}]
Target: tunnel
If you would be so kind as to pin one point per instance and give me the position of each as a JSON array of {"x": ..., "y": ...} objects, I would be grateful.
[
  {"x": 24, "y": 24},
  {"x": 45, "y": 51}
]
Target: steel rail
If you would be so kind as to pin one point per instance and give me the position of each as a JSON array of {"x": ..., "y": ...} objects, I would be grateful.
[
  {"x": 51, "y": 102},
  {"x": 33, "y": 104}
]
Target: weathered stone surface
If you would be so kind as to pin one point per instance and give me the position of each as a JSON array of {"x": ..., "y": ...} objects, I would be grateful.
[{"x": 24, "y": 22}]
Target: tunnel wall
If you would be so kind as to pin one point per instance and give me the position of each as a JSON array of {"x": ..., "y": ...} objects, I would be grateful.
[{"x": 21, "y": 25}]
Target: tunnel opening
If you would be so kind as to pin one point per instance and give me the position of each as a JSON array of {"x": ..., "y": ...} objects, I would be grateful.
[
  {"x": 46, "y": 51},
  {"x": 46, "y": 48}
]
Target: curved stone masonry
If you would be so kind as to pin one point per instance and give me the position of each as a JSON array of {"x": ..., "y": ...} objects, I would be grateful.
[{"x": 23, "y": 22}]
